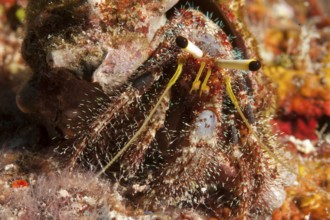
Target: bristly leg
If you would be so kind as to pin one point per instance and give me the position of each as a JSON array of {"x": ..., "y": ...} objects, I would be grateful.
[
  {"x": 108, "y": 120},
  {"x": 102, "y": 127},
  {"x": 147, "y": 120}
]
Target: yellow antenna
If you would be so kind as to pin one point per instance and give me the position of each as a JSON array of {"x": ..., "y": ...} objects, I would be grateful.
[
  {"x": 197, "y": 83},
  {"x": 205, "y": 88}
]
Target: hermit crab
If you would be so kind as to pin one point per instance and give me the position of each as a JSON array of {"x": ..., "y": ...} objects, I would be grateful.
[{"x": 160, "y": 98}]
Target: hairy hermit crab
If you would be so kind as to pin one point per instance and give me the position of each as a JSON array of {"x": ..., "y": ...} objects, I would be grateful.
[{"x": 161, "y": 98}]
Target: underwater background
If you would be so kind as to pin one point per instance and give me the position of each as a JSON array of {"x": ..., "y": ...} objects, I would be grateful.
[{"x": 293, "y": 41}]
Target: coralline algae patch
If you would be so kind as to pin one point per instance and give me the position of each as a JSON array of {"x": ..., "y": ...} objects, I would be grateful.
[
  {"x": 304, "y": 201},
  {"x": 300, "y": 92},
  {"x": 303, "y": 116},
  {"x": 303, "y": 100},
  {"x": 294, "y": 43},
  {"x": 25, "y": 194}
]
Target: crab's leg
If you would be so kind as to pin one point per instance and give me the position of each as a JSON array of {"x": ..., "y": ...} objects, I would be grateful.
[
  {"x": 86, "y": 138},
  {"x": 259, "y": 140},
  {"x": 146, "y": 121},
  {"x": 98, "y": 126},
  {"x": 134, "y": 156},
  {"x": 251, "y": 129}
]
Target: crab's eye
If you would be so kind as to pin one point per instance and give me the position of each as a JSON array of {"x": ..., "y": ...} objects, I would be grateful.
[
  {"x": 188, "y": 46},
  {"x": 249, "y": 64}
]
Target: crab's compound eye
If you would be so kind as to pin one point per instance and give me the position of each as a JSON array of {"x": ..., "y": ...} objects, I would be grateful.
[
  {"x": 188, "y": 46},
  {"x": 254, "y": 65},
  {"x": 248, "y": 65},
  {"x": 182, "y": 42}
]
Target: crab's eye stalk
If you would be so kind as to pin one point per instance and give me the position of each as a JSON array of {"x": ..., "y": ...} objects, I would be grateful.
[
  {"x": 188, "y": 46},
  {"x": 249, "y": 65}
]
